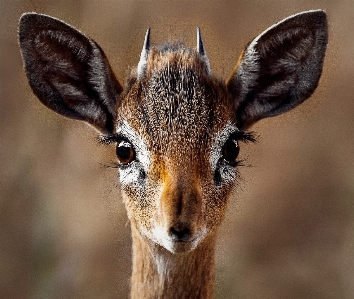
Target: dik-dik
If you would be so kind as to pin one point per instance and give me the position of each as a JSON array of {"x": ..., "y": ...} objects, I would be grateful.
[{"x": 177, "y": 130}]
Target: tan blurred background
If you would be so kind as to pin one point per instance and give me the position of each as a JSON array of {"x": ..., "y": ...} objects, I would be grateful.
[{"x": 289, "y": 231}]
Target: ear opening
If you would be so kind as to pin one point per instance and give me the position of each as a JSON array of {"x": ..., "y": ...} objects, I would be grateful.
[
  {"x": 68, "y": 71},
  {"x": 280, "y": 68}
]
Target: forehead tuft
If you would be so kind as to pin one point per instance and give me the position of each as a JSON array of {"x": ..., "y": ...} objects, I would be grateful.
[
  {"x": 177, "y": 101},
  {"x": 174, "y": 54}
]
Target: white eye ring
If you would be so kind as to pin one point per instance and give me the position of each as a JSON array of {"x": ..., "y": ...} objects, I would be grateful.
[
  {"x": 134, "y": 139},
  {"x": 221, "y": 137}
]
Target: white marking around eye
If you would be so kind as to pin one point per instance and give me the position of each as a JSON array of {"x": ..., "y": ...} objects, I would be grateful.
[
  {"x": 131, "y": 173},
  {"x": 220, "y": 139}
]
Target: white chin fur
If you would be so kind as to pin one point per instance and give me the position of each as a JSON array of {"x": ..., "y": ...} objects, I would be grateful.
[{"x": 162, "y": 239}]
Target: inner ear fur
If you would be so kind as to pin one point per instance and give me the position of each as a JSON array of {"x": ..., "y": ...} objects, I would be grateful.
[
  {"x": 68, "y": 71},
  {"x": 280, "y": 68}
]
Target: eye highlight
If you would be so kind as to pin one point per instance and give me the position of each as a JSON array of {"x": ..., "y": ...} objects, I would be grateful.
[
  {"x": 230, "y": 151},
  {"x": 125, "y": 152}
]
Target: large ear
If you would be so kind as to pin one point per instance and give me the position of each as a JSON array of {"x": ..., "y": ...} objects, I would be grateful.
[
  {"x": 280, "y": 68},
  {"x": 68, "y": 71}
]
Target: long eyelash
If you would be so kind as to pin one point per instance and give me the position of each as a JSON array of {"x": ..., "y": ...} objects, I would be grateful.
[
  {"x": 239, "y": 178},
  {"x": 111, "y": 164},
  {"x": 245, "y": 136},
  {"x": 239, "y": 135},
  {"x": 109, "y": 139},
  {"x": 242, "y": 163}
]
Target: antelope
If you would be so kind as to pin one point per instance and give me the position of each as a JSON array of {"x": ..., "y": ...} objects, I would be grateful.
[{"x": 177, "y": 130}]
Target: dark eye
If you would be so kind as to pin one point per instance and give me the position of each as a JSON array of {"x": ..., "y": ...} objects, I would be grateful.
[
  {"x": 125, "y": 152},
  {"x": 230, "y": 151}
]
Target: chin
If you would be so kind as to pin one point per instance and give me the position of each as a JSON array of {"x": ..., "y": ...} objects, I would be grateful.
[
  {"x": 176, "y": 246},
  {"x": 179, "y": 246}
]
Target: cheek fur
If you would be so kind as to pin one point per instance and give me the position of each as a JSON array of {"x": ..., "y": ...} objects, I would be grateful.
[
  {"x": 142, "y": 200},
  {"x": 228, "y": 174},
  {"x": 134, "y": 174}
]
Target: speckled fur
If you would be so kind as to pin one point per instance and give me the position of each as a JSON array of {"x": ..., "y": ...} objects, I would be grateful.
[
  {"x": 177, "y": 117},
  {"x": 178, "y": 111}
]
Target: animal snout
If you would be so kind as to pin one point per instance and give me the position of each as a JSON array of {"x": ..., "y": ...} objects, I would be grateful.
[
  {"x": 181, "y": 209},
  {"x": 180, "y": 233}
]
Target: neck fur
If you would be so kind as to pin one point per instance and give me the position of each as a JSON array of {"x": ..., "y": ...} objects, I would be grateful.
[{"x": 158, "y": 273}]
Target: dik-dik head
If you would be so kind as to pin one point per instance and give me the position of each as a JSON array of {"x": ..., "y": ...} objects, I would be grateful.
[{"x": 177, "y": 128}]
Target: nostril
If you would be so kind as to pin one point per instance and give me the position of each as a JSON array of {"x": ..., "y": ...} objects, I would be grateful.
[{"x": 180, "y": 233}]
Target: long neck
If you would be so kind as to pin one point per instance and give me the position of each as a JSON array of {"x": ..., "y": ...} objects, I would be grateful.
[{"x": 157, "y": 273}]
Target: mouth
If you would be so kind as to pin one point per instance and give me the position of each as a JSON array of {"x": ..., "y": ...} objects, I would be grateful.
[{"x": 179, "y": 245}]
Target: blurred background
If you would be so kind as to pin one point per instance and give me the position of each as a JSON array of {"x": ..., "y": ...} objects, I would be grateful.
[{"x": 289, "y": 230}]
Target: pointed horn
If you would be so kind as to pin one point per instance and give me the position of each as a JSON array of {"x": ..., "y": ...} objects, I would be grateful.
[
  {"x": 200, "y": 44},
  {"x": 144, "y": 54},
  {"x": 201, "y": 50}
]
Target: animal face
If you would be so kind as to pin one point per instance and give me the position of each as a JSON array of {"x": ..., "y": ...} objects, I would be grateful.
[
  {"x": 177, "y": 128},
  {"x": 177, "y": 121}
]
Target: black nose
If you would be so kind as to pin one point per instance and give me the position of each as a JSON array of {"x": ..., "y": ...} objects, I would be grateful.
[{"x": 180, "y": 233}]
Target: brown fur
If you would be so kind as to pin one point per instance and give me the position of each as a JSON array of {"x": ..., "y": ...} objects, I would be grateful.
[
  {"x": 186, "y": 275},
  {"x": 178, "y": 165},
  {"x": 178, "y": 118}
]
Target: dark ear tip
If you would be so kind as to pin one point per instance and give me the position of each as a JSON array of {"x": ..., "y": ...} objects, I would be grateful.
[
  {"x": 319, "y": 15},
  {"x": 28, "y": 17},
  {"x": 319, "y": 19},
  {"x": 27, "y": 21}
]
